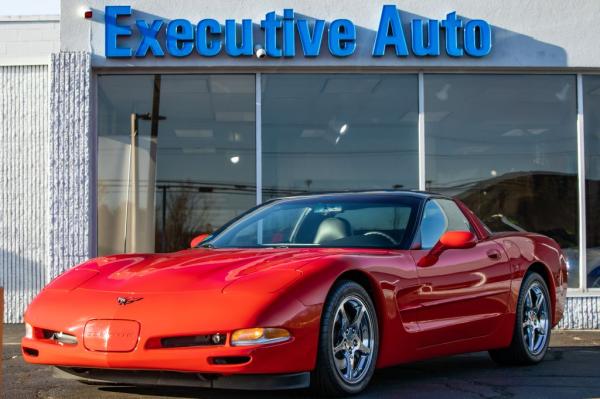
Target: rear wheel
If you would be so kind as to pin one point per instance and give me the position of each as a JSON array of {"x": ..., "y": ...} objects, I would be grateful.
[
  {"x": 532, "y": 326},
  {"x": 348, "y": 342}
]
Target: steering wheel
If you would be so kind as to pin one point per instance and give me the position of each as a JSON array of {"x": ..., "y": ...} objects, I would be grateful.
[{"x": 379, "y": 233}]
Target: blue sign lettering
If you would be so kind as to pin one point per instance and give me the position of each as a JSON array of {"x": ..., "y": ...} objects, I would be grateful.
[
  {"x": 113, "y": 30},
  {"x": 419, "y": 47},
  {"x": 311, "y": 46},
  {"x": 207, "y": 42},
  {"x": 289, "y": 39},
  {"x": 231, "y": 39},
  {"x": 390, "y": 33},
  {"x": 179, "y": 37},
  {"x": 342, "y": 38},
  {"x": 478, "y": 46},
  {"x": 149, "y": 39}
]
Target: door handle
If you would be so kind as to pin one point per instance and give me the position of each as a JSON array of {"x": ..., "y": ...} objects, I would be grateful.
[{"x": 493, "y": 254}]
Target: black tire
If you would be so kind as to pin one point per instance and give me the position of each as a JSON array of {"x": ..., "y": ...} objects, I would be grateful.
[
  {"x": 326, "y": 379},
  {"x": 519, "y": 353}
]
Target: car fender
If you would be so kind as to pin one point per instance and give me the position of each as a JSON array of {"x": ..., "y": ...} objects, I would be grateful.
[{"x": 381, "y": 277}]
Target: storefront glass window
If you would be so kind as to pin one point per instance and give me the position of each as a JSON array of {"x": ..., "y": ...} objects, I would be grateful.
[
  {"x": 506, "y": 145},
  {"x": 591, "y": 109},
  {"x": 328, "y": 132},
  {"x": 176, "y": 158}
]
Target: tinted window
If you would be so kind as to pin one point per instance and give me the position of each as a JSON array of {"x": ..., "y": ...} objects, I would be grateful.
[
  {"x": 334, "y": 132},
  {"x": 457, "y": 221},
  {"x": 506, "y": 145},
  {"x": 440, "y": 216},
  {"x": 433, "y": 225},
  {"x": 323, "y": 223}
]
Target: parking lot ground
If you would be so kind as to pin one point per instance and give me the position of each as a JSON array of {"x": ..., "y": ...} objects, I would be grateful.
[{"x": 571, "y": 370}]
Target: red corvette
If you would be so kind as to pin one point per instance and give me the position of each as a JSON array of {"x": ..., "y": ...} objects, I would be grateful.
[{"x": 307, "y": 291}]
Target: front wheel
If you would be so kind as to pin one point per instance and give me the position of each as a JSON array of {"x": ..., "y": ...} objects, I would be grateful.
[
  {"x": 532, "y": 325},
  {"x": 348, "y": 342}
]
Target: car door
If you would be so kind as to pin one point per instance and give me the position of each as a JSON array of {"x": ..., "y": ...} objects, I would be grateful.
[{"x": 464, "y": 294}]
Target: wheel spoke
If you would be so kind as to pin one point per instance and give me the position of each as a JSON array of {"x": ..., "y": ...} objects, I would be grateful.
[
  {"x": 528, "y": 300},
  {"x": 358, "y": 319},
  {"x": 345, "y": 321},
  {"x": 543, "y": 324},
  {"x": 349, "y": 366},
  {"x": 530, "y": 338},
  {"x": 539, "y": 301}
]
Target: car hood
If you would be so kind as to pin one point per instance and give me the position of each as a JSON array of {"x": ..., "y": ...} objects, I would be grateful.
[{"x": 197, "y": 269}]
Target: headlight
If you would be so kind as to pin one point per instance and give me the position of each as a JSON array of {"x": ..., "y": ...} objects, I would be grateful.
[
  {"x": 28, "y": 331},
  {"x": 257, "y": 336}
]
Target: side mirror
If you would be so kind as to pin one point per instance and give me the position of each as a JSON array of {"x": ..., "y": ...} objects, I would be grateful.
[
  {"x": 198, "y": 239},
  {"x": 449, "y": 240}
]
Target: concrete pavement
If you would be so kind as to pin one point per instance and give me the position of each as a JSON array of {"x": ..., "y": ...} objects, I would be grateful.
[{"x": 570, "y": 370}]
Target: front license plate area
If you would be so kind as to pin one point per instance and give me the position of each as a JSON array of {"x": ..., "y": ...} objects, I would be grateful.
[{"x": 111, "y": 335}]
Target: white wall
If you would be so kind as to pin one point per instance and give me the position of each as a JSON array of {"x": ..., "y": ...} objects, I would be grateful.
[
  {"x": 28, "y": 40},
  {"x": 23, "y": 184},
  {"x": 25, "y": 47}
]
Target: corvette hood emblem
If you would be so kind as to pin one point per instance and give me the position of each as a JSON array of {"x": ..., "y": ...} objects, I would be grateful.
[{"x": 126, "y": 300}]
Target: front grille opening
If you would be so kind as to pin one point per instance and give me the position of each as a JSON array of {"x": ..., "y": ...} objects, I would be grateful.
[
  {"x": 187, "y": 341},
  {"x": 60, "y": 337},
  {"x": 31, "y": 352},
  {"x": 228, "y": 360}
]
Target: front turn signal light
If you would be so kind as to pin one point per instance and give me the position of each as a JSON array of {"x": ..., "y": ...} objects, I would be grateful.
[
  {"x": 28, "y": 331},
  {"x": 259, "y": 336}
]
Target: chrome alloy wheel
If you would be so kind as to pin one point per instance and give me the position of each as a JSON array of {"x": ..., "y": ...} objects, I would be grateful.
[
  {"x": 535, "y": 319},
  {"x": 352, "y": 340}
]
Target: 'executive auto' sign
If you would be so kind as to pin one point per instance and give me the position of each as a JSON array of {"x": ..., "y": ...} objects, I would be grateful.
[{"x": 208, "y": 38}]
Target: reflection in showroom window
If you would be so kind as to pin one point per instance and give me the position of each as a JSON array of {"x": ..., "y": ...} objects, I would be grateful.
[
  {"x": 506, "y": 146},
  {"x": 176, "y": 158},
  {"x": 591, "y": 104},
  {"x": 332, "y": 132}
]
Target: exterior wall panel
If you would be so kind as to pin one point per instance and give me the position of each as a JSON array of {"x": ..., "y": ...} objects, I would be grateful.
[
  {"x": 28, "y": 40},
  {"x": 581, "y": 313},
  {"x": 23, "y": 189},
  {"x": 70, "y": 172}
]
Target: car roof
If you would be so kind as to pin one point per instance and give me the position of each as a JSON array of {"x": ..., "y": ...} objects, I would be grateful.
[{"x": 340, "y": 195}]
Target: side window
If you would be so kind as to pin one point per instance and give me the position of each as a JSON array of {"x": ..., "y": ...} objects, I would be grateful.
[
  {"x": 440, "y": 216},
  {"x": 433, "y": 225},
  {"x": 457, "y": 221}
]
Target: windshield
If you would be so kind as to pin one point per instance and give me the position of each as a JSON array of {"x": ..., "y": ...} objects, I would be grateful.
[{"x": 319, "y": 222}]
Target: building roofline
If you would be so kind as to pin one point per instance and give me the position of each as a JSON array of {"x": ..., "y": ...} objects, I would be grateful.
[{"x": 29, "y": 18}]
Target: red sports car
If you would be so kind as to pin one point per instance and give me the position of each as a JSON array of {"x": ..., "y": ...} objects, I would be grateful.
[{"x": 306, "y": 291}]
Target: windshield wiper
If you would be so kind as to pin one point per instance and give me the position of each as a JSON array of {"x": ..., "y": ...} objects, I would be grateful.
[{"x": 207, "y": 245}]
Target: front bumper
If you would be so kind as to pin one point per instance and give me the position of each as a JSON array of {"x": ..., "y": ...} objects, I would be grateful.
[
  {"x": 161, "y": 316},
  {"x": 169, "y": 378},
  {"x": 286, "y": 357}
]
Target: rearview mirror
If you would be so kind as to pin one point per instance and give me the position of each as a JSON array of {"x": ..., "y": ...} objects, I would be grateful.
[
  {"x": 449, "y": 240},
  {"x": 198, "y": 239}
]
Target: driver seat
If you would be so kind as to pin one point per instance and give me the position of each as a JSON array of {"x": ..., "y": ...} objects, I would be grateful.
[{"x": 332, "y": 229}]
